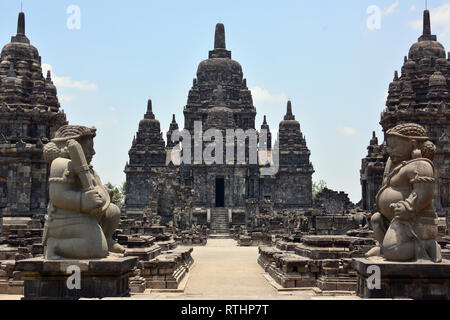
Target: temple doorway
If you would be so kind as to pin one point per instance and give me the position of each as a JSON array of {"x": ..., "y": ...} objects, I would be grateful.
[{"x": 220, "y": 192}]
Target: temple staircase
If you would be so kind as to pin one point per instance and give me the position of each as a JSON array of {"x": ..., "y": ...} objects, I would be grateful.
[{"x": 219, "y": 221}]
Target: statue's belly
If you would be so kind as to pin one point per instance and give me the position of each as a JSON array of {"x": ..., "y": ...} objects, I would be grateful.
[{"x": 387, "y": 197}]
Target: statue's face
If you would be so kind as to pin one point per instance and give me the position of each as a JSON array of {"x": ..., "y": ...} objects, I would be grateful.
[
  {"x": 88, "y": 148},
  {"x": 398, "y": 148}
]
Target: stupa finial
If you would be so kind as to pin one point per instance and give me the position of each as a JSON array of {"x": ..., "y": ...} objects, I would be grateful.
[
  {"x": 426, "y": 23},
  {"x": 289, "y": 115},
  {"x": 219, "y": 40},
  {"x": 149, "y": 114},
  {"x": 289, "y": 108},
  {"x": 427, "y": 36},
  {"x": 149, "y": 105},
  {"x": 21, "y": 24}
]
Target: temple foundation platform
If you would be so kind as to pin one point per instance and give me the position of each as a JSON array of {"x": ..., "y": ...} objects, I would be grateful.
[{"x": 422, "y": 280}]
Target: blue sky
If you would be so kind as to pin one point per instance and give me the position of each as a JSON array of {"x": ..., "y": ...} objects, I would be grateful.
[{"x": 319, "y": 54}]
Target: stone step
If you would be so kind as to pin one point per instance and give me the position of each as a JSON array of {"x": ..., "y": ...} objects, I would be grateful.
[{"x": 219, "y": 220}]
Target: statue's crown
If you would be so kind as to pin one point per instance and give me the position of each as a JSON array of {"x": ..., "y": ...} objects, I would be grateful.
[
  {"x": 409, "y": 130},
  {"x": 74, "y": 132}
]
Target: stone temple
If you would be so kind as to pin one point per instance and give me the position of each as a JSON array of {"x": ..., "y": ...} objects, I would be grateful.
[
  {"x": 217, "y": 193},
  {"x": 29, "y": 115},
  {"x": 421, "y": 94}
]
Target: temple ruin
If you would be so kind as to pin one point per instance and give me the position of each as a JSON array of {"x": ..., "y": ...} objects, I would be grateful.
[{"x": 221, "y": 193}]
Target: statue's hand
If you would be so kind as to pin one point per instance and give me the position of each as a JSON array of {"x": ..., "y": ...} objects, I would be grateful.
[
  {"x": 72, "y": 143},
  {"x": 91, "y": 201},
  {"x": 400, "y": 211}
]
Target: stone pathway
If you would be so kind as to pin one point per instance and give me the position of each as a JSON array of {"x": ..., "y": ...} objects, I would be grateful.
[{"x": 224, "y": 269}]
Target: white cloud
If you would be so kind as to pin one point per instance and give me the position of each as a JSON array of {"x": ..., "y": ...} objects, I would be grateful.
[
  {"x": 413, "y": 8},
  {"x": 106, "y": 122},
  {"x": 67, "y": 82},
  {"x": 347, "y": 131},
  {"x": 440, "y": 20},
  {"x": 416, "y": 24},
  {"x": 391, "y": 9},
  {"x": 263, "y": 95},
  {"x": 65, "y": 97}
]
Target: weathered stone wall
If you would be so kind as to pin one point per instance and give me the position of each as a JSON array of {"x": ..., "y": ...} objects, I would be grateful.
[
  {"x": 335, "y": 224},
  {"x": 332, "y": 202},
  {"x": 294, "y": 189},
  {"x": 138, "y": 189}
]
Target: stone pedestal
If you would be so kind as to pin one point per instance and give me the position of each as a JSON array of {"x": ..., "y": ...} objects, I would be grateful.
[
  {"x": 168, "y": 269},
  {"x": 144, "y": 254},
  {"x": 245, "y": 241},
  {"x": 100, "y": 278},
  {"x": 416, "y": 280}
]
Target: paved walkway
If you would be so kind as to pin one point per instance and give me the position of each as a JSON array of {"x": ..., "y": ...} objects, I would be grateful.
[{"x": 224, "y": 269}]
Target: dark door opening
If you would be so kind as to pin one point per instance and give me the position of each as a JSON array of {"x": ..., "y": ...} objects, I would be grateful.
[{"x": 220, "y": 193}]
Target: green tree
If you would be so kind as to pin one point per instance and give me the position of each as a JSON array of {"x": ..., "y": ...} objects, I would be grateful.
[
  {"x": 317, "y": 187},
  {"x": 117, "y": 193},
  {"x": 123, "y": 188}
]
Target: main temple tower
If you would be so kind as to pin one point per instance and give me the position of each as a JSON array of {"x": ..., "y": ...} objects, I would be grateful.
[{"x": 221, "y": 190}]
